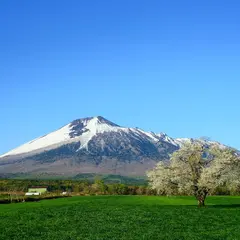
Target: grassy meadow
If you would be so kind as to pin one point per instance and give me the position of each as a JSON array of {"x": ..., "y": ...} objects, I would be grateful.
[{"x": 122, "y": 217}]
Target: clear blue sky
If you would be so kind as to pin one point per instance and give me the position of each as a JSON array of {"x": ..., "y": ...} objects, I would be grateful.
[{"x": 165, "y": 66}]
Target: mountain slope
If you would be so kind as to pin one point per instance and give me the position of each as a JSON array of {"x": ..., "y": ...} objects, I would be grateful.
[
  {"x": 93, "y": 135},
  {"x": 91, "y": 145}
]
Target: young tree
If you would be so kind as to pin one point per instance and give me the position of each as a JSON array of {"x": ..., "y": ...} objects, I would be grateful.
[
  {"x": 99, "y": 186},
  {"x": 196, "y": 169}
]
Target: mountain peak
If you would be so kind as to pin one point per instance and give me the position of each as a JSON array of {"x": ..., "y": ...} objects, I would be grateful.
[
  {"x": 105, "y": 121},
  {"x": 90, "y": 120},
  {"x": 82, "y": 130}
]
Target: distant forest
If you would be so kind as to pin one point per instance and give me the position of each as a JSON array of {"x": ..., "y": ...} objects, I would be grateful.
[{"x": 95, "y": 186}]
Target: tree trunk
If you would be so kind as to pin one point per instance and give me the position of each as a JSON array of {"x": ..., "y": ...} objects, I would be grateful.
[
  {"x": 201, "y": 195},
  {"x": 201, "y": 201}
]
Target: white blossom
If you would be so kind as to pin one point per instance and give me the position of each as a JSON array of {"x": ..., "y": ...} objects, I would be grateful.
[{"x": 196, "y": 169}]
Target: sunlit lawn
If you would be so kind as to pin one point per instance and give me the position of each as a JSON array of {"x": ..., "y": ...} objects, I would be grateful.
[{"x": 122, "y": 217}]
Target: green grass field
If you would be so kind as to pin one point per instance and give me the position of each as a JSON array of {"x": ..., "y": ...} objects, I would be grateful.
[{"x": 122, "y": 217}]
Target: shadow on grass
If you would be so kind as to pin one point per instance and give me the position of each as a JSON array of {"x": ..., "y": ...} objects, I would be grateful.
[
  {"x": 211, "y": 206},
  {"x": 224, "y": 206},
  {"x": 196, "y": 206},
  {"x": 30, "y": 199}
]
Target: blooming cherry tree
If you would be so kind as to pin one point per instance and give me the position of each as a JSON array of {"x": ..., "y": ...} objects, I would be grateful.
[{"x": 196, "y": 169}]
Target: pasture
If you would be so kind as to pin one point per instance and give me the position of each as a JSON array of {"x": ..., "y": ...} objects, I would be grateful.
[{"x": 122, "y": 217}]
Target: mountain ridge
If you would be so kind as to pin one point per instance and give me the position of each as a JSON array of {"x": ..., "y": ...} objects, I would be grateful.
[
  {"x": 79, "y": 127},
  {"x": 92, "y": 145}
]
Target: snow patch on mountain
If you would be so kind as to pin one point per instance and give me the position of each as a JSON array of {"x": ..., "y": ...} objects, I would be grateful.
[
  {"x": 56, "y": 137},
  {"x": 149, "y": 134},
  {"x": 95, "y": 126},
  {"x": 166, "y": 138}
]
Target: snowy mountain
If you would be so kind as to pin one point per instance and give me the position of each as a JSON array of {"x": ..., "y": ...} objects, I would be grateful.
[{"x": 91, "y": 145}]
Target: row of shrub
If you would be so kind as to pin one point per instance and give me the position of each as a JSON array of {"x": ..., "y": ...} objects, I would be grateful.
[
  {"x": 91, "y": 188},
  {"x": 13, "y": 198}
]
